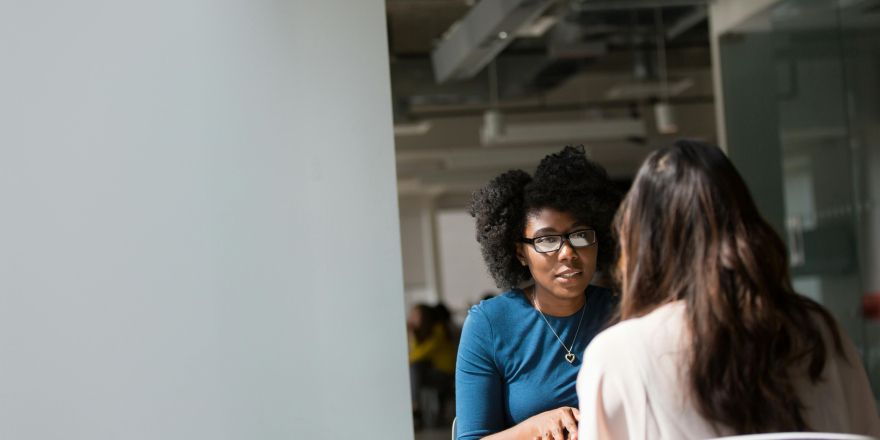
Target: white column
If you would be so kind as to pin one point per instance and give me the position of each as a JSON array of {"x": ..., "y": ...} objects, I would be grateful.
[
  {"x": 871, "y": 217},
  {"x": 422, "y": 271},
  {"x": 724, "y": 16},
  {"x": 199, "y": 234}
]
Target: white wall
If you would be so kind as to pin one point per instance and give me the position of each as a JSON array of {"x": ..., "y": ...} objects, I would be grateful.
[
  {"x": 871, "y": 226},
  {"x": 441, "y": 257},
  {"x": 199, "y": 231},
  {"x": 465, "y": 277},
  {"x": 418, "y": 234}
]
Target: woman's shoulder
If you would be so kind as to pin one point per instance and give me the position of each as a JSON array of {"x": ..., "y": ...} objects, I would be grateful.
[
  {"x": 597, "y": 295},
  {"x": 600, "y": 291},
  {"x": 492, "y": 317},
  {"x": 510, "y": 302},
  {"x": 658, "y": 330}
]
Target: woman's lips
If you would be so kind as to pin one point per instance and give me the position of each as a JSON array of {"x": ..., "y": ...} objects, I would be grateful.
[{"x": 569, "y": 274}]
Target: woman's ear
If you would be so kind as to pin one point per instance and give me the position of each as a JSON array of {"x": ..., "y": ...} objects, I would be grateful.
[{"x": 521, "y": 254}]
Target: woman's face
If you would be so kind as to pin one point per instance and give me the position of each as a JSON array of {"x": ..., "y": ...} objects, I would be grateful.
[
  {"x": 414, "y": 320},
  {"x": 565, "y": 273}
]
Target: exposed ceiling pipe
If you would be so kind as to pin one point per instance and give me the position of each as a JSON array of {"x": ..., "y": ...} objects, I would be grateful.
[{"x": 664, "y": 115}]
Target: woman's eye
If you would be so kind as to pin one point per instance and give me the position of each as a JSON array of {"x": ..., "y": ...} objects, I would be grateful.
[{"x": 547, "y": 240}]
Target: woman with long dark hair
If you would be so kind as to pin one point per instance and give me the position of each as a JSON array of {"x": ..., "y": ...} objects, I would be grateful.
[{"x": 713, "y": 340}]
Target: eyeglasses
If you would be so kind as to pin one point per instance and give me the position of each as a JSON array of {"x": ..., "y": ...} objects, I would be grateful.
[{"x": 552, "y": 243}]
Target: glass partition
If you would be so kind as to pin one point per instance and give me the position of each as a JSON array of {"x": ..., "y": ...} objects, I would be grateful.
[{"x": 801, "y": 84}]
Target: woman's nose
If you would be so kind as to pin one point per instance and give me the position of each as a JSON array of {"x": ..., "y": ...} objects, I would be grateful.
[{"x": 566, "y": 251}]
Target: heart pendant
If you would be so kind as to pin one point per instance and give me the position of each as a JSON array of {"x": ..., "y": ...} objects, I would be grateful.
[{"x": 570, "y": 357}]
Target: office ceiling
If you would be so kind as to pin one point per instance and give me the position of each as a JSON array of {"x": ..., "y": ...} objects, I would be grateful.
[{"x": 580, "y": 60}]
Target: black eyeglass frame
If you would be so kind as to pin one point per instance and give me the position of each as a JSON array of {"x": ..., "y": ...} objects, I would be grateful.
[{"x": 564, "y": 238}]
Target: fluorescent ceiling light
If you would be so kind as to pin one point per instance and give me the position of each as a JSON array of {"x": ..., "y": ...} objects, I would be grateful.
[
  {"x": 607, "y": 5},
  {"x": 537, "y": 28},
  {"x": 495, "y": 132},
  {"x": 647, "y": 89},
  {"x": 412, "y": 128}
]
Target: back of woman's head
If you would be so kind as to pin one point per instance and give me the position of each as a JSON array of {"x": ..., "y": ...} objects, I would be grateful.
[{"x": 689, "y": 230}]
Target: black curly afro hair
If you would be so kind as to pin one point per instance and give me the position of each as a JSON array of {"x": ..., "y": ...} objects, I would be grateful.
[{"x": 566, "y": 181}]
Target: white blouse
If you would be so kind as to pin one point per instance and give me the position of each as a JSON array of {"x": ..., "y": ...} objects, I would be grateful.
[{"x": 633, "y": 385}]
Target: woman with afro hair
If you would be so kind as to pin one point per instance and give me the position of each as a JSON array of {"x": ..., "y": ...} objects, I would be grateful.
[{"x": 543, "y": 237}]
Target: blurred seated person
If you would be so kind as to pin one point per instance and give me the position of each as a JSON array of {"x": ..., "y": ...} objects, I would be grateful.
[
  {"x": 431, "y": 354},
  {"x": 444, "y": 318}
]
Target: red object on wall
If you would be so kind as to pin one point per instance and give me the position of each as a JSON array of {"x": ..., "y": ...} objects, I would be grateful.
[{"x": 871, "y": 306}]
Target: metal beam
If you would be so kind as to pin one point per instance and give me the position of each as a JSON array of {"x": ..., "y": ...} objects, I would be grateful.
[
  {"x": 490, "y": 26},
  {"x": 689, "y": 20}
]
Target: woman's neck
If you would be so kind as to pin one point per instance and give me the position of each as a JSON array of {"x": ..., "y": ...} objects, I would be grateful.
[{"x": 551, "y": 305}]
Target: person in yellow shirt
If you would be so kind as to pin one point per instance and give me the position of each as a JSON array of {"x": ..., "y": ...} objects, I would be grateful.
[{"x": 432, "y": 354}]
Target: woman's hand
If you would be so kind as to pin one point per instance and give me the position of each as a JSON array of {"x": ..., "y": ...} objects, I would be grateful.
[{"x": 556, "y": 424}]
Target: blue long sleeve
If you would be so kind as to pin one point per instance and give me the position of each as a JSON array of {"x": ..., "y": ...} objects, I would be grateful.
[
  {"x": 477, "y": 381},
  {"x": 510, "y": 365}
]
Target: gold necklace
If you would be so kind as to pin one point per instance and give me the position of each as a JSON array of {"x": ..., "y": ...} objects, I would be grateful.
[{"x": 569, "y": 356}]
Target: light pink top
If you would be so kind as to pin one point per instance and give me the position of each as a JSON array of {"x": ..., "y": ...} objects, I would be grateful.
[{"x": 633, "y": 385}]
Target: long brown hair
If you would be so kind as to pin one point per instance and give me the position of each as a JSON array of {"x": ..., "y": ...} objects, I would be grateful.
[{"x": 689, "y": 230}]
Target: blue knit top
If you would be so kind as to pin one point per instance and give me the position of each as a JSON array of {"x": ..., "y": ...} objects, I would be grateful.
[{"x": 510, "y": 365}]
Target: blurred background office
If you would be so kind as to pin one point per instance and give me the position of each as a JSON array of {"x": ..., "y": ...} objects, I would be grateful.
[
  {"x": 216, "y": 215},
  {"x": 790, "y": 89}
]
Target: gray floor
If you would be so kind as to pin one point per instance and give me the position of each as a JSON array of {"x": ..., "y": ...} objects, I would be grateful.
[{"x": 433, "y": 434}]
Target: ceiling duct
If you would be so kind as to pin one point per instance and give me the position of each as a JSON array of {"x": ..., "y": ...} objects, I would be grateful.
[
  {"x": 607, "y": 5},
  {"x": 485, "y": 31},
  {"x": 496, "y": 132}
]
